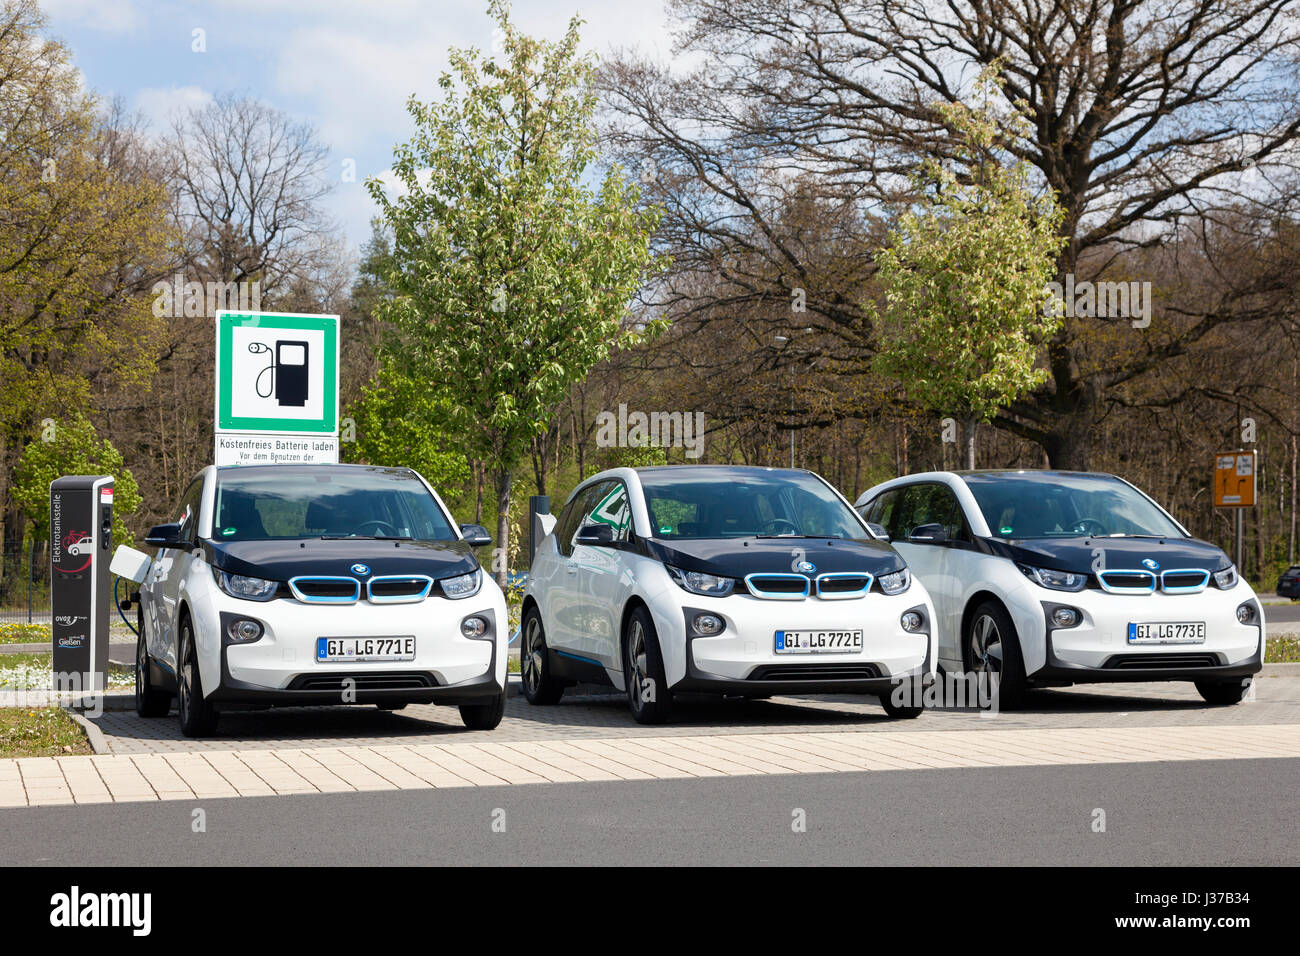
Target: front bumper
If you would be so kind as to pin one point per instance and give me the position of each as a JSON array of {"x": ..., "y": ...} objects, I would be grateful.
[
  {"x": 1098, "y": 649},
  {"x": 280, "y": 668},
  {"x": 742, "y": 660}
]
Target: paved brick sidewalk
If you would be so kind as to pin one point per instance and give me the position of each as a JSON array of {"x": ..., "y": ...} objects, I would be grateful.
[
  {"x": 1095, "y": 706},
  {"x": 489, "y": 762}
]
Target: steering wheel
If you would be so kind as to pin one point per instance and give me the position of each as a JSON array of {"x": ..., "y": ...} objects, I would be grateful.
[
  {"x": 356, "y": 532},
  {"x": 770, "y": 527},
  {"x": 1083, "y": 524}
]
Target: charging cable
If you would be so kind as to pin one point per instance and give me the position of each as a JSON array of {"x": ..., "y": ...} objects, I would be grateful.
[{"x": 257, "y": 348}]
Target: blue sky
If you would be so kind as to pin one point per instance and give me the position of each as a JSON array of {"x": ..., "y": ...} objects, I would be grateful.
[{"x": 345, "y": 66}]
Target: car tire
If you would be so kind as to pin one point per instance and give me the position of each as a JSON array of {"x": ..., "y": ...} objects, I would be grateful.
[
  {"x": 903, "y": 711},
  {"x": 1222, "y": 693},
  {"x": 198, "y": 717},
  {"x": 149, "y": 701},
  {"x": 642, "y": 661},
  {"x": 540, "y": 686},
  {"x": 991, "y": 627},
  {"x": 484, "y": 716}
]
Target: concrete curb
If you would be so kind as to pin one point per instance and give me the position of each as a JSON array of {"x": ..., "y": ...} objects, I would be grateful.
[
  {"x": 95, "y": 736},
  {"x": 1291, "y": 669}
]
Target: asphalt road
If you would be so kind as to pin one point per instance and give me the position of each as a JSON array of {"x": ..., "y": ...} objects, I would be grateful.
[
  {"x": 1213, "y": 813},
  {"x": 1275, "y": 614}
]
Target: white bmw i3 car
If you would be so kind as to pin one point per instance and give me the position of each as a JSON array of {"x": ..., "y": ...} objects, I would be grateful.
[
  {"x": 1055, "y": 578},
  {"x": 317, "y": 584},
  {"x": 740, "y": 581}
]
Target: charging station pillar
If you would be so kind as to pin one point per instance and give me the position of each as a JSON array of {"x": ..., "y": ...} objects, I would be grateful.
[{"x": 81, "y": 548}]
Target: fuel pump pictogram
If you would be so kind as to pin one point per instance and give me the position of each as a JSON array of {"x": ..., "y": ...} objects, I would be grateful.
[{"x": 288, "y": 371}]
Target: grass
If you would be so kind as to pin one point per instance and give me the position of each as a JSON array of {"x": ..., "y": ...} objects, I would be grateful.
[
  {"x": 40, "y": 732},
  {"x": 35, "y": 672},
  {"x": 1282, "y": 650},
  {"x": 16, "y": 633}
]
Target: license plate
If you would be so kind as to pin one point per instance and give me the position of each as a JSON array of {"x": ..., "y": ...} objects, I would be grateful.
[
  {"x": 818, "y": 642},
  {"x": 348, "y": 649},
  {"x": 1187, "y": 632}
]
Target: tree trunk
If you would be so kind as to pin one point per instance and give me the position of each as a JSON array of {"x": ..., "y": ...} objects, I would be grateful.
[
  {"x": 478, "y": 491},
  {"x": 504, "y": 481},
  {"x": 1291, "y": 543}
]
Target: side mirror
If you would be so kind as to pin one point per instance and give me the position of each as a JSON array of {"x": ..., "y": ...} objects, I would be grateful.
[
  {"x": 475, "y": 535},
  {"x": 166, "y": 536},
  {"x": 928, "y": 533},
  {"x": 878, "y": 530},
  {"x": 595, "y": 535}
]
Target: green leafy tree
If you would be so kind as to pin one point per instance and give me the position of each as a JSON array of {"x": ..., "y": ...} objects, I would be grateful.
[
  {"x": 398, "y": 424},
  {"x": 73, "y": 448},
  {"x": 965, "y": 276},
  {"x": 82, "y": 224},
  {"x": 513, "y": 272}
]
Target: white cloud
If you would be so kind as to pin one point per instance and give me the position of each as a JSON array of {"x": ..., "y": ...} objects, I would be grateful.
[
  {"x": 161, "y": 104},
  {"x": 107, "y": 16}
]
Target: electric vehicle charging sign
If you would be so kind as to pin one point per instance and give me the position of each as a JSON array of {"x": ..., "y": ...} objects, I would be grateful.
[{"x": 277, "y": 394}]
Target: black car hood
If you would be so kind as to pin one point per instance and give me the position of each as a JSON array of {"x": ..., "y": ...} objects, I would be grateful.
[
  {"x": 1117, "y": 554},
  {"x": 287, "y": 558},
  {"x": 737, "y": 557}
]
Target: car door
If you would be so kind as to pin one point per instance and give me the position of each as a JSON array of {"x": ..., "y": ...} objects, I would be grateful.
[
  {"x": 601, "y": 573},
  {"x": 169, "y": 569},
  {"x": 565, "y": 604},
  {"x": 928, "y": 503}
]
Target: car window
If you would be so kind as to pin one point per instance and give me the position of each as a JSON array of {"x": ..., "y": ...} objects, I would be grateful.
[
  {"x": 1030, "y": 505},
  {"x": 684, "y": 503},
  {"x": 611, "y": 509},
  {"x": 252, "y": 505},
  {"x": 187, "y": 514},
  {"x": 891, "y": 512},
  {"x": 930, "y": 504},
  {"x": 575, "y": 513}
]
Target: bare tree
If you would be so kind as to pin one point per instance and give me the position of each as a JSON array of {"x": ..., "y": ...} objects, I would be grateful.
[
  {"x": 1142, "y": 114},
  {"x": 249, "y": 182}
]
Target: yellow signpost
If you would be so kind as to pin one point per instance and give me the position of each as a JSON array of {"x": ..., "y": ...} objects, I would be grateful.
[
  {"x": 1234, "y": 479},
  {"x": 1234, "y": 487}
]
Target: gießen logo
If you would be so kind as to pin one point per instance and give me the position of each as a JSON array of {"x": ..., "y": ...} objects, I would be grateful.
[{"x": 360, "y": 569}]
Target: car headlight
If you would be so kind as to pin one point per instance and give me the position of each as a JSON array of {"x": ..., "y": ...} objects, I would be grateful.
[
  {"x": 697, "y": 582},
  {"x": 1226, "y": 579},
  {"x": 463, "y": 585},
  {"x": 896, "y": 582},
  {"x": 473, "y": 627},
  {"x": 247, "y": 587},
  {"x": 1056, "y": 580}
]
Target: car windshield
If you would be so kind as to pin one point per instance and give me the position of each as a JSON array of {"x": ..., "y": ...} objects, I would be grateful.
[
  {"x": 1066, "y": 506},
  {"x": 255, "y": 505},
  {"x": 729, "y": 504}
]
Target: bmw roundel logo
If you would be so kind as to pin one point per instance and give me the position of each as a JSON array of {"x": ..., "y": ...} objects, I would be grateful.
[
  {"x": 360, "y": 569},
  {"x": 807, "y": 567},
  {"x": 1150, "y": 564}
]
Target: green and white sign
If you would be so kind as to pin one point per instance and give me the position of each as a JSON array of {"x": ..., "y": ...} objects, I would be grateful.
[{"x": 277, "y": 394}]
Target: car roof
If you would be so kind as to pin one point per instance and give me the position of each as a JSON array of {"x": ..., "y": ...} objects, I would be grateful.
[
  {"x": 714, "y": 471},
  {"x": 297, "y": 469}
]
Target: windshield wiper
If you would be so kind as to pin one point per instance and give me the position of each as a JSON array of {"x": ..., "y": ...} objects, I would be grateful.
[{"x": 366, "y": 537}]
